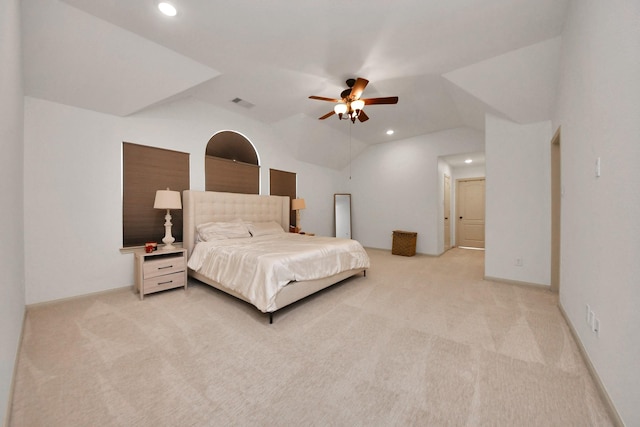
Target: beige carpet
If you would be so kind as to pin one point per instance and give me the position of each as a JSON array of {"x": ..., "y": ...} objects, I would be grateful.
[{"x": 418, "y": 341}]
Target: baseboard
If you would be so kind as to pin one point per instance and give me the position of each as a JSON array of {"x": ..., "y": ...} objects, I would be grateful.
[
  {"x": 602, "y": 391},
  {"x": 7, "y": 415},
  {"x": 519, "y": 283},
  {"x": 389, "y": 250},
  {"x": 59, "y": 300}
]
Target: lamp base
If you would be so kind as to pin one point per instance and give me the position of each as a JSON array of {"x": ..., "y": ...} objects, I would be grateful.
[{"x": 168, "y": 239}]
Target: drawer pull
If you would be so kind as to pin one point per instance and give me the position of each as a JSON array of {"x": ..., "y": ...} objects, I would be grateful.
[
  {"x": 166, "y": 266},
  {"x": 164, "y": 283}
]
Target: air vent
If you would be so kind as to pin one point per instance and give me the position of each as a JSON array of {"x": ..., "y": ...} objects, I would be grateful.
[{"x": 242, "y": 103}]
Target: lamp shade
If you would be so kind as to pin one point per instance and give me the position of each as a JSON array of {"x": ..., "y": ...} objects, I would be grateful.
[
  {"x": 167, "y": 199},
  {"x": 297, "y": 204},
  {"x": 357, "y": 105},
  {"x": 340, "y": 108}
]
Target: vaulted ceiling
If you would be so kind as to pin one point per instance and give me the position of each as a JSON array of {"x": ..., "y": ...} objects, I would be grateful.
[{"x": 449, "y": 62}]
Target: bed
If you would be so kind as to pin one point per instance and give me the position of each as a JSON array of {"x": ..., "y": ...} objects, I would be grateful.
[{"x": 266, "y": 267}]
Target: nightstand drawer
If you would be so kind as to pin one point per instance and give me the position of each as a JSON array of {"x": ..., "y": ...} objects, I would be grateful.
[
  {"x": 161, "y": 283},
  {"x": 160, "y": 270},
  {"x": 162, "y": 266}
]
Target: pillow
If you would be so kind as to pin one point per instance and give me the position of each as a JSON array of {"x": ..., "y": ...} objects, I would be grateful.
[
  {"x": 264, "y": 228},
  {"x": 222, "y": 230}
]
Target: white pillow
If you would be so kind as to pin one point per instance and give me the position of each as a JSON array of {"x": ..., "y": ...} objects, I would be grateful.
[
  {"x": 264, "y": 228},
  {"x": 222, "y": 230}
]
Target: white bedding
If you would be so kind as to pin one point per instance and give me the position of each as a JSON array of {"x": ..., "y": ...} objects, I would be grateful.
[{"x": 258, "y": 267}]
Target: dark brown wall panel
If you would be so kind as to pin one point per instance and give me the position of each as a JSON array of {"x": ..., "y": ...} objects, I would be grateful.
[
  {"x": 231, "y": 177},
  {"x": 282, "y": 183},
  {"x": 145, "y": 170}
]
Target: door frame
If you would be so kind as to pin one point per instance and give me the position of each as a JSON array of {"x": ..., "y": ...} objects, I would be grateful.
[
  {"x": 447, "y": 214},
  {"x": 556, "y": 210}
]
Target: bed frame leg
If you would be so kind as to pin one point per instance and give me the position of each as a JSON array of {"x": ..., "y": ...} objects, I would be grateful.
[{"x": 270, "y": 318}]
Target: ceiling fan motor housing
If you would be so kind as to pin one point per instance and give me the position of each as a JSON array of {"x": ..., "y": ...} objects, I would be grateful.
[{"x": 347, "y": 92}]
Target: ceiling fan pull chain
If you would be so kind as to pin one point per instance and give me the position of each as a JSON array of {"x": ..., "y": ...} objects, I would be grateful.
[{"x": 350, "y": 151}]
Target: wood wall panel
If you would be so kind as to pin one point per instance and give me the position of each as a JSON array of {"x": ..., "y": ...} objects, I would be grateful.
[
  {"x": 282, "y": 183},
  {"x": 146, "y": 170},
  {"x": 230, "y": 176}
]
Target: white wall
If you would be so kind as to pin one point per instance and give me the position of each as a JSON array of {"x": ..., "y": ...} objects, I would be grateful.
[
  {"x": 598, "y": 110},
  {"x": 188, "y": 123},
  {"x": 464, "y": 172},
  {"x": 72, "y": 191},
  {"x": 12, "y": 294},
  {"x": 518, "y": 201},
  {"x": 396, "y": 186}
]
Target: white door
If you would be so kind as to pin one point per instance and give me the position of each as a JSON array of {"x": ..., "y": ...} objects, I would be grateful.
[{"x": 470, "y": 212}]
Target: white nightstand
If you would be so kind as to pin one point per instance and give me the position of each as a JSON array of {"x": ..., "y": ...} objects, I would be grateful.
[{"x": 160, "y": 270}]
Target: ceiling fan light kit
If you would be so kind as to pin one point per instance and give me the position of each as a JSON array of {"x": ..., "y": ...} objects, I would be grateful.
[
  {"x": 351, "y": 106},
  {"x": 351, "y": 109}
]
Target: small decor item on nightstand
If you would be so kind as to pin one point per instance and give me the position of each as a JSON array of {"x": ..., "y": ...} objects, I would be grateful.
[
  {"x": 167, "y": 199},
  {"x": 150, "y": 247}
]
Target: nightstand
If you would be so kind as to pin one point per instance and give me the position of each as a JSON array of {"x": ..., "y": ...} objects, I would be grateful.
[{"x": 160, "y": 270}]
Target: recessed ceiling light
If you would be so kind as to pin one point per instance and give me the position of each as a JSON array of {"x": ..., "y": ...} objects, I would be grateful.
[
  {"x": 167, "y": 9},
  {"x": 390, "y": 132},
  {"x": 468, "y": 161}
]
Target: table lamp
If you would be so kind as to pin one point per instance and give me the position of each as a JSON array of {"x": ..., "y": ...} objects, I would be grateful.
[
  {"x": 297, "y": 205},
  {"x": 167, "y": 199}
]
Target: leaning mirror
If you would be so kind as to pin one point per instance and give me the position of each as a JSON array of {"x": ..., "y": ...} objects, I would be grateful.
[{"x": 342, "y": 209}]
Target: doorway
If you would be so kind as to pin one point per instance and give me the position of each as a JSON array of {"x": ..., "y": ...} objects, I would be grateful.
[
  {"x": 470, "y": 210},
  {"x": 556, "y": 200}
]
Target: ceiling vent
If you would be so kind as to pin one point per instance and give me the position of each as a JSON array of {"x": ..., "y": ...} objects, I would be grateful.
[{"x": 242, "y": 103}]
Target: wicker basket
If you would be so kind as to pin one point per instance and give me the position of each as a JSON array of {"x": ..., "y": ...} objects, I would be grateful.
[{"x": 404, "y": 243}]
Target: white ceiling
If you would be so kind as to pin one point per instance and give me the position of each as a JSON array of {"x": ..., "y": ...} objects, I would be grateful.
[
  {"x": 459, "y": 160},
  {"x": 449, "y": 62}
]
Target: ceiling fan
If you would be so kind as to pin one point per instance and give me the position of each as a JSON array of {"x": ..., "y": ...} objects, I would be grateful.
[{"x": 350, "y": 105}]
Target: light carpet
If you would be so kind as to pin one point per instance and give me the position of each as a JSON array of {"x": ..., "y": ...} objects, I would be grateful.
[{"x": 418, "y": 341}]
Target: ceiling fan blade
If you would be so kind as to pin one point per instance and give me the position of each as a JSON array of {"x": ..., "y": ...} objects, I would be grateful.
[
  {"x": 387, "y": 100},
  {"x": 329, "y": 114},
  {"x": 358, "y": 88},
  {"x": 362, "y": 116},
  {"x": 322, "y": 98}
]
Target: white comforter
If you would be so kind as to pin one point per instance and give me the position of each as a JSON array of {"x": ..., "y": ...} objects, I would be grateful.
[{"x": 258, "y": 267}]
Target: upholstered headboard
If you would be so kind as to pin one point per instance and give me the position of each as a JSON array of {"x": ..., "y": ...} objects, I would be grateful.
[{"x": 211, "y": 206}]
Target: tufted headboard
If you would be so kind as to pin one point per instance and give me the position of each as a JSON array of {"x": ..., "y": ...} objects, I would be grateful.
[{"x": 209, "y": 206}]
